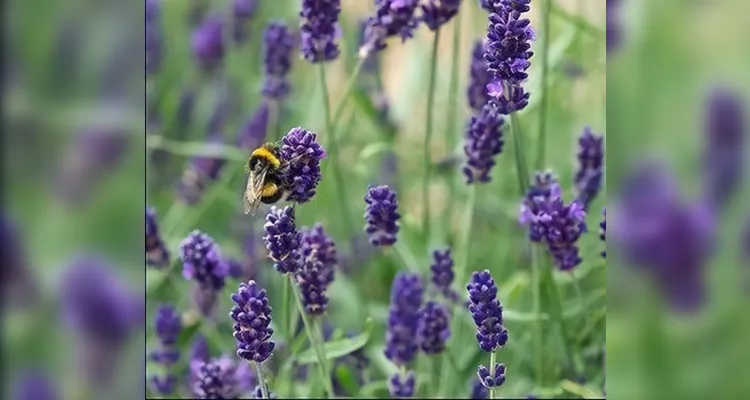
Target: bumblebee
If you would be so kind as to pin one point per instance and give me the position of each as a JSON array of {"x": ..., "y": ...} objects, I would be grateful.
[{"x": 264, "y": 185}]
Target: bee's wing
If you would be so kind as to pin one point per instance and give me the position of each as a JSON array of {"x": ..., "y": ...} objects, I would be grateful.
[{"x": 251, "y": 198}]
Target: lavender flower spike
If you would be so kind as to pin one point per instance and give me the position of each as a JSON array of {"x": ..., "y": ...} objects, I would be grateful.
[
  {"x": 436, "y": 13},
  {"x": 507, "y": 52},
  {"x": 491, "y": 381},
  {"x": 381, "y": 215},
  {"x": 317, "y": 272},
  {"x": 204, "y": 265},
  {"x": 320, "y": 30},
  {"x": 588, "y": 178},
  {"x": 282, "y": 239},
  {"x": 442, "y": 269},
  {"x": 401, "y": 337},
  {"x": 392, "y": 17},
  {"x": 479, "y": 79},
  {"x": 478, "y": 390},
  {"x": 487, "y": 312},
  {"x": 215, "y": 379},
  {"x": 168, "y": 327},
  {"x": 253, "y": 134},
  {"x": 252, "y": 323},
  {"x": 484, "y": 140},
  {"x": 433, "y": 329},
  {"x": 208, "y": 42},
  {"x": 278, "y": 44},
  {"x": 157, "y": 254},
  {"x": 402, "y": 387},
  {"x": 303, "y": 153}
]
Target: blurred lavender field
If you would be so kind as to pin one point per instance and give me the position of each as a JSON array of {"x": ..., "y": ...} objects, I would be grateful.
[
  {"x": 677, "y": 94},
  {"x": 87, "y": 319}
]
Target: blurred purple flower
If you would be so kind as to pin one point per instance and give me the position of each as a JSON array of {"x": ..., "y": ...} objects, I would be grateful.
[
  {"x": 480, "y": 78},
  {"x": 157, "y": 254},
  {"x": 433, "y": 329},
  {"x": 282, "y": 239},
  {"x": 278, "y": 44},
  {"x": 215, "y": 379},
  {"x": 101, "y": 311},
  {"x": 668, "y": 240},
  {"x": 258, "y": 393},
  {"x": 507, "y": 52},
  {"x": 442, "y": 273},
  {"x": 253, "y": 134},
  {"x": 381, "y": 216},
  {"x": 320, "y": 30},
  {"x": 303, "y": 154},
  {"x": 318, "y": 261},
  {"x": 92, "y": 154},
  {"x": 34, "y": 385},
  {"x": 400, "y": 386},
  {"x": 588, "y": 178},
  {"x": 168, "y": 326},
  {"x": 614, "y": 26},
  {"x": 436, "y": 13},
  {"x": 725, "y": 150},
  {"x": 484, "y": 141},
  {"x": 153, "y": 37},
  {"x": 19, "y": 283},
  {"x": 252, "y": 323},
  {"x": 401, "y": 336},
  {"x": 478, "y": 391},
  {"x": 204, "y": 265},
  {"x": 558, "y": 224},
  {"x": 491, "y": 381},
  {"x": 208, "y": 42},
  {"x": 242, "y": 12},
  {"x": 199, "y": 349},
  {"x": 199, "y": 173},
  {"x": 487, "y": 312},
  {"x": 391, "y": 18}
]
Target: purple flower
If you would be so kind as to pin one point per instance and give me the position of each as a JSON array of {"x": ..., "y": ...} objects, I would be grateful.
[
  {"x": 253, "y": 134},
  {"x": 658, "y": 233},
  {"x": 588, "y": 178},
  {"x": 215, "y": 379},
  {"x": 319, "y": 250},
  {"x": 491, "y": 381},
  {"x": 154, "y": 44},
  {"x": 480, "y": 78},
  {"x": 34, "y": 385},
  {"x": 199, "y": 173},
  {"x": 507, "y": 52},
  {"x": 478, "y": 391},
  {"x": 484, "y": 140},
  {"x": 101, "y": 311},
  {"x": 242, "y": 10},
  {"x": 541, "y": 187},
  {"x": 391, "y": 18},
  {"x": 320, "y": 30},
  {"x": 614, "y": 26},
  {"x": 436, "y": 13},
  {"x": 245, "y": 376},
  {"x": 381, "y": 215},
  {"x": 252, "y": 323},
  {"x": 434, "y": 328},
  {"x": 401, "y": 336},
  {"x": 301, "y": 151},
  {"x": 725, "y": 151},
  {"x": 558, "y": 224},
  {"x": 486, "y": 311},
  {"x": 400, "y": 386},
  {"x": 442, "y": 273},
  {"x": 282, "y": 239},
  {"x": 157, "y": 254},
  {"x": 278, "y": 44},
  {"x": 202, "y": 261},
  {"x": 168, "y": 327},
  {"x": 603, "y": 232},
  {"x": 208, "y": 42}
]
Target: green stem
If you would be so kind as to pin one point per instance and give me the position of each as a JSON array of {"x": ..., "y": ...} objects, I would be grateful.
[
  {"x": 403, "y": 253},
  {"x": 536, "y": 253},
  {"x": 542, "y": 136},
  {"x": 428, "y": 139},
  {"x": 259, "y": 374},
  {"x": 452, "y": 116},
  {"x": 522, "y": 170},
  {"x": 287, "y": 311},
  {"x": 492, "y": 373},
  {"x": 316, "y": 345},
  {"x": 334, "y": 154},
  {"x": 445, "y": 376},
  {"x": 556, "y": 313},
  {"x": 339, "y": 109}
]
